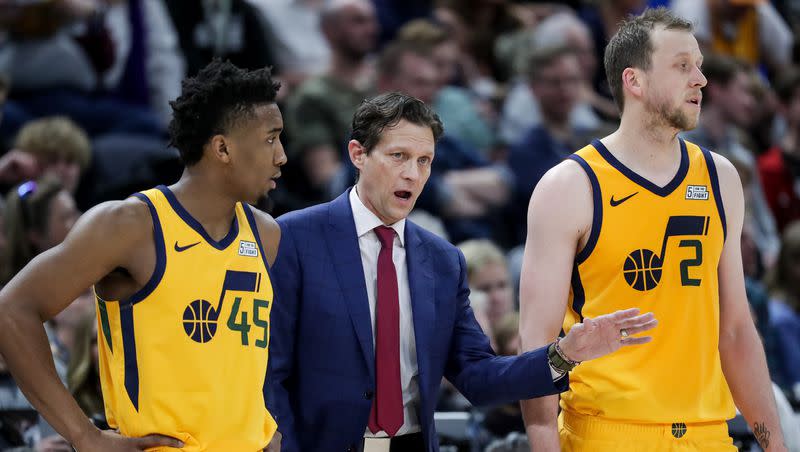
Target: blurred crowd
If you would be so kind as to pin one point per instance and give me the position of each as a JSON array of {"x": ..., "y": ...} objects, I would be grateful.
[{"x": 85, "y": 87}]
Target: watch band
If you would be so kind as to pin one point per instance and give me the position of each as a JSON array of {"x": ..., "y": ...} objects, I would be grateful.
[{"x": 557, "y": 359}]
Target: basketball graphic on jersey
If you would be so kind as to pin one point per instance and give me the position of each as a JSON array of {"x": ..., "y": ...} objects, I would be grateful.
[
  {"x": 198, "y": 322},
  {"x": 678, "y": 429},
  {"x": 642, "y": 269}
]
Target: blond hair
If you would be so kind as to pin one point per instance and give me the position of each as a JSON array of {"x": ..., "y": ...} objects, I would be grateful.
[
  {"x": 54, "y": 138},
  {"x": 479, "y": 253}
]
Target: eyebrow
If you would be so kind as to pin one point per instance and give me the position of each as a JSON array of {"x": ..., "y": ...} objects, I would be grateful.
[
  {"x": 276, "y": 129},
  {"x": 685, "y": 53}
]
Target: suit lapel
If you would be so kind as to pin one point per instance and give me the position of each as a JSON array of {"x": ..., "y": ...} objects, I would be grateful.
[
  {"x": 421, "y": 285},
  {"x": 343, "y": 245}
]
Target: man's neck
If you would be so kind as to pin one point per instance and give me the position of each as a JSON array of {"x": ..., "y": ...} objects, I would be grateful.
[
  {"x": 644, "y": 146},
  {"x": 641, "y": 130},
  {"x": 202, "y": 198}
]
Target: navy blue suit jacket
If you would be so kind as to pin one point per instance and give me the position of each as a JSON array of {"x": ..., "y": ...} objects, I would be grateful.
[{"x": 321, "y": 377}]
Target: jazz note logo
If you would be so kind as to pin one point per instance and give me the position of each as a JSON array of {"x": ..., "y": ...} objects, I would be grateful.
[{"x": 643, "y": 267}]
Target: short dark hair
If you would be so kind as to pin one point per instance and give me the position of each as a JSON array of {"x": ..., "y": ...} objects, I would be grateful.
[
  {"x": 788, "y": 84},
  {"x": 387, "y": 110},
  {"x": 632, "y": 46},
  {"x": 213, "y": 101},
  {"x": 721, "y": 70},
  {"x": 542, "y": 58}
]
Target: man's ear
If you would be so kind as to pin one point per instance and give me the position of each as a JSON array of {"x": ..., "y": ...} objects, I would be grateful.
[
  {"x": 632, "y": 81},
  {"x": 357, "y": 153},
  {"x": 219, "y": 148}
]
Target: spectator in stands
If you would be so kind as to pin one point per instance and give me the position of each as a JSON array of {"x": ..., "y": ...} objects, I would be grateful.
[
  {"x": 83, "y": 375},
  {"x": 464, "y": 116},
  {"x": 39, "y": 214},
  {"x": 751, "y": 30},
  {"x": 21, "y": 428},
  {"x": 464, "y": 188},
  {"x": 554, "y": 75},
  {"x": 521, "y": 110},
  {"x": 58, "y": 146},
  {"x": 728, "y": 109},
  {"x": 603, "y": 18},
  {"x": 115, "y": 77},
  {"x": 481, "y": 23},
  {"x": 779, "y": 167},
  {"x": 231, "y": 30},
  {"x": 487, "y": 272},
  {"x": 318, "y": 114},
  {"x": 295, "y": 39},
  {"x": 504, "y": 419},
  {"x": 784, "y": 307}
]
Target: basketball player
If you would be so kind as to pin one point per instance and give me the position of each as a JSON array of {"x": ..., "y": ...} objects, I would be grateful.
[
  {"x": 654, "y": 221},
  {"x": 182, "y": 284}
]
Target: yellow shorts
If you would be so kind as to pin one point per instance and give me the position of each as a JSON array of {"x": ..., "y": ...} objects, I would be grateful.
[{"x": 588, "y": 434}]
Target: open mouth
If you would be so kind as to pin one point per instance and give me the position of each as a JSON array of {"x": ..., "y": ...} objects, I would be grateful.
[
  {"x": 403, "y": 194},
  {"x": 273, "y": 181}
]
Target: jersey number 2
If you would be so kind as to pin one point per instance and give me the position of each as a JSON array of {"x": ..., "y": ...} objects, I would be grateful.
[{"x": 687, "y": 263}]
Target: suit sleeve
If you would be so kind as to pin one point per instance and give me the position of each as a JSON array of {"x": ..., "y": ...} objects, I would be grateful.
[
  {"x": 287, "y": 287},
  {"x": 481, "y": 376}
]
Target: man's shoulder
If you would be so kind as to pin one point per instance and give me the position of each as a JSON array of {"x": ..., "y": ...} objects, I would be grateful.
[
  {"x": 436, "y": 244},
  {"x": 125, "y": 216},
  {"x": 304, "y": 217}
]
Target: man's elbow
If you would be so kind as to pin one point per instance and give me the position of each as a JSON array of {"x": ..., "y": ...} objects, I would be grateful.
[{"x": 735, "y": 337}]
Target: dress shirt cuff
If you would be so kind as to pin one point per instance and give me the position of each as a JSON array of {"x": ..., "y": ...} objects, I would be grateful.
[{"x": 556, "y": 374}]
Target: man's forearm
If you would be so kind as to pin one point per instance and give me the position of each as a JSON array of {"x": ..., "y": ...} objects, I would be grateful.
[
  {"x": 541, "y": 423},
  {"x": 745, "y": 368},
  {"x": 24, "y": 345}
]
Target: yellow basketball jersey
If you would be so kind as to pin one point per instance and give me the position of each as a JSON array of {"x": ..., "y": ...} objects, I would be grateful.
[
  {"x": 186, "y": 356},
  {"x": 658, "y": 249}
]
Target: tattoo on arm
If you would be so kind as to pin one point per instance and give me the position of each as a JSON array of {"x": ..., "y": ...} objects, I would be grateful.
[{"x": 762, "y": 434}]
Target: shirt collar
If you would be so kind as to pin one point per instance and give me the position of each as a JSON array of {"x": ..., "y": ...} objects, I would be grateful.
[{"x": 366, "y": 221}]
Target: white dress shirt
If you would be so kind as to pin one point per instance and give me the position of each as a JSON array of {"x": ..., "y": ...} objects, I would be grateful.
[{"x": 370, "y": 247}]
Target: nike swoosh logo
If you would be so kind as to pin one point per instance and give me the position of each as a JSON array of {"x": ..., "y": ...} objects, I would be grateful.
[
  {"x": 616, "y": 202},
  {"x": 184, "y": 248}
]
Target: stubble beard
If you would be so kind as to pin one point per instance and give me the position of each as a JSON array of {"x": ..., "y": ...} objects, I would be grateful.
[{"x": 664, "y": 115}]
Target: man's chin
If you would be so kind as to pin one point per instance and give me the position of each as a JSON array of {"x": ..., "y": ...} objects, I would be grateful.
[{"x": 691, "y": 125}]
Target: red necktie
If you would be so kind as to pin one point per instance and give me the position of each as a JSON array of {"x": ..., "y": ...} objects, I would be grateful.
[{"x": 387, "y": 409}]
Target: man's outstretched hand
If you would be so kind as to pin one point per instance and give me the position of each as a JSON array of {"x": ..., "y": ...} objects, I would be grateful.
[{"x": 606, "y": 334}]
